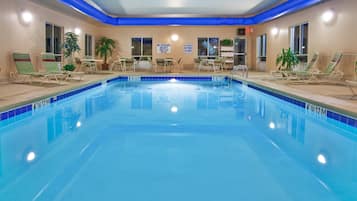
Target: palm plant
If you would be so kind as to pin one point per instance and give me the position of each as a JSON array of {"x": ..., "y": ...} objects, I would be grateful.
[
  {"x": 104, "y": 48},
  {"x": 286, "y": 60},
  {"x": 70, "y": 46}
]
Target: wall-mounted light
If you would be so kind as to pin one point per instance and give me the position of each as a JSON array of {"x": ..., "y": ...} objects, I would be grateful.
[
  {"x": 26, "y": 17},
  {"x": 174, "y": 37},
  {"x": 274, "y": 31},
  {"x": 328, "y": 16},
  {"x": 77, "y": 31}
]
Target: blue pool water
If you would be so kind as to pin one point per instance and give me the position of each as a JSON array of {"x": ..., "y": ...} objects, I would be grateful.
[{"x": 176, "y": 141}]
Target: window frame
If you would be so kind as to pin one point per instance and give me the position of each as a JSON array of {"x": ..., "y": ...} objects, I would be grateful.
[
  {"x": 88, "y": 50},
  {"x": 262, "y": 47},
  {"x": 141, "y": 47},
  {"x": 208, "y": 55},
  {"x": 58, "y": 55},
  {"x": 302, "y": 50}
]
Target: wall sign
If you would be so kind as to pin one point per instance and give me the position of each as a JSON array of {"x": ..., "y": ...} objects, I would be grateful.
[
  {"x": 163, "y": 48},
  {"x": 187, "y": 48}
]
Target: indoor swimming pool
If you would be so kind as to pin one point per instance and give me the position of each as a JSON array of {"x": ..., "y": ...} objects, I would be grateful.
[{"x": 151, "y": 139}]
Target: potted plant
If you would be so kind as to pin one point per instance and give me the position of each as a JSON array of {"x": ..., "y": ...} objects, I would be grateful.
[
  {"x": 104, "y": 48},
  {"x": 227, "y": 46},
  {"x": 286, "y": 60},
  {"x": 70, "y": 46},
  {"x": 226, "y": 42}
]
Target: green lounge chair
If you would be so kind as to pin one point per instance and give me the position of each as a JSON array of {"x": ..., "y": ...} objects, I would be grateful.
[
  {"x": 52, "y": 66},
  {"x": 24, "y": 67},
  {"x": 307, "y": 71},
  {"x": 330, "y": 70}
]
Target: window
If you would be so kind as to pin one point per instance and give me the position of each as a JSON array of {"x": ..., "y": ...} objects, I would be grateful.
[
  {"x": 88, "y": 41},
  {"x": 208, "y": 47},
  {"x": 54, "y": 37},
  {"x": 299, "y": 40},
  {"x": 262, "y": 47},
  {"x": 141, "y": 48}
]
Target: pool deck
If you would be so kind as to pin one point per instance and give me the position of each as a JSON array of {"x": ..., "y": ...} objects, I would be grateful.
[{"x": 335, "y": 97}]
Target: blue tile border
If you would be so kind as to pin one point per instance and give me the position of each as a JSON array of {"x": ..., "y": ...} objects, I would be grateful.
[
  {"x": 342, "y": 118},
  {"x": 15, "y": 112},
  {"x": 120, "y": 78},
  {"x": 74, "y": 92},
  {"x": 277, "y": 95},
  {"x": 30, "y": 107},
  {"x": 179, "y": 78},
  {"x": 330, "y": 114}
]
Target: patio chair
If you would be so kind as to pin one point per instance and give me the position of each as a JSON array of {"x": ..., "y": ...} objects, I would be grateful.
[
  {"x": 207, "y": 64},
  {"x": 89, "y": 66},
  {"x": 52, "y": 66},
  {"x": 25, "y": 69},
  {"x": 219, "y": 63},
  {"x": 179, "y": 64},
  {"x": 118, "y": 64},
  {"x": 169, "y": 64},
  {"x": 196, "y": 62},
  {"x": 160, "y": 63}
]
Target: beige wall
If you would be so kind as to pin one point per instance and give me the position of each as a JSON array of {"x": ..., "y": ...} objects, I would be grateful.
[
  {"x": 162, "y": 34},
  {"x": 323, "y": 38},
  {"x": 340, "y": 35},
  {"x": 16, "y": 36}
]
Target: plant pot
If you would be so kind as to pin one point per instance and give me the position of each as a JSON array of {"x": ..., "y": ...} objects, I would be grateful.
[{"x": 105, "y": 66}]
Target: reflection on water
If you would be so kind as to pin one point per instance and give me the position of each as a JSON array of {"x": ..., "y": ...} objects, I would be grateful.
[{"x": 296, "y": 149}]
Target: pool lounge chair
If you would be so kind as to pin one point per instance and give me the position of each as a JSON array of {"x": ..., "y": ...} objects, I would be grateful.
[
  {"x": 306, "y": 72},
  {"x": 52, "y": 66},
  {"x": 25, "y": 69},
  {"x": 330, "y": 72}
]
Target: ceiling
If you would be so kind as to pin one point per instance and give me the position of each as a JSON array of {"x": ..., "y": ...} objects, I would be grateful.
[
  {"x": 177, "y": 12},
  {"x": 181, "y": 8},
  {"x": 57, "y": 6}
]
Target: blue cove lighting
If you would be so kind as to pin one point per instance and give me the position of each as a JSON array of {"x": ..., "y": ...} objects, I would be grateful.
[{"x": 285, "y": 8}]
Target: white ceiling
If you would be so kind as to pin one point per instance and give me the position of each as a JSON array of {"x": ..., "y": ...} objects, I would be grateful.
[{"x": 182, "y": 8}]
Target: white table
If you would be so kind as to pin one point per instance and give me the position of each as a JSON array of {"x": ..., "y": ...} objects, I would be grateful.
[{"x": 91, "y": 61}]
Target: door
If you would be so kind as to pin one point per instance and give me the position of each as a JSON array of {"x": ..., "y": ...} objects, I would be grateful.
[{"x": 240, "y": 51}]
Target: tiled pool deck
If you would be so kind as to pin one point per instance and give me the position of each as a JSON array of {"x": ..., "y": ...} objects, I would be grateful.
[{"x": 14, "y": 95}]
